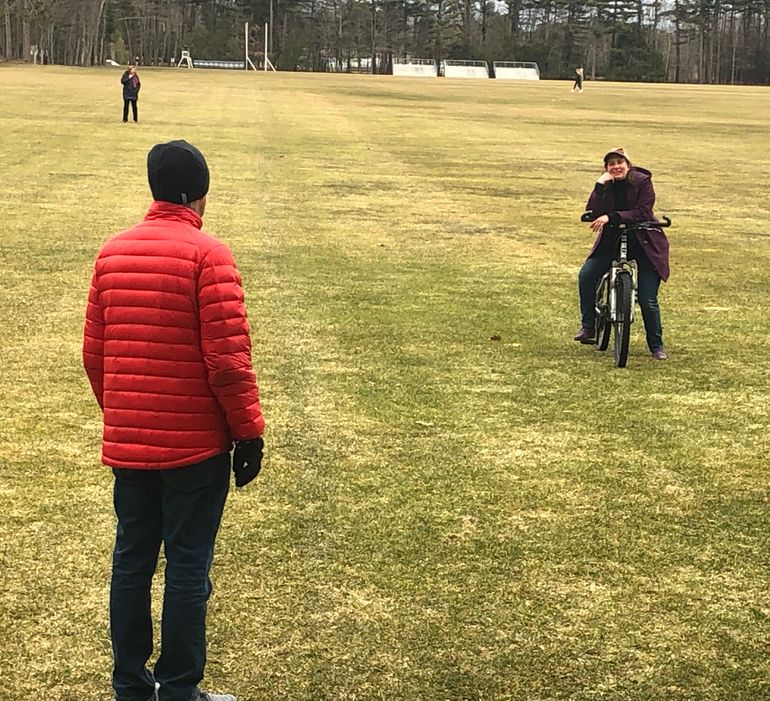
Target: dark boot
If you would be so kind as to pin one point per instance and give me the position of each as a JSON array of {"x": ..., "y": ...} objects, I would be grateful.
[{"x": 586, "y": 336}]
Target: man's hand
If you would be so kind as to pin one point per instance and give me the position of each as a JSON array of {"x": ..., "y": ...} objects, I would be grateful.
[{"x": 247, "y": 460}]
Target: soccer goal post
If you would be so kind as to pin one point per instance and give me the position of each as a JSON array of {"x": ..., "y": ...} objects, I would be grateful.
[
  {"x": 246, "y": 58},
  {"x": 251, "y": 35}
]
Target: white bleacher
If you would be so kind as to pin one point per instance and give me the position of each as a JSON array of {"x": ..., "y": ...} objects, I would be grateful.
[
  {"x": 225, "y": 63},
  {"x": 415, "y": 67},
  {"x": 516, "y": 70},
  {"x": 464, "y": 69}
]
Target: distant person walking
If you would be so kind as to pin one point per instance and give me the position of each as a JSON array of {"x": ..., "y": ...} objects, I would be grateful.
[
  {"x": 578, "y": 85},
  {"x": 167, "y": 351},
  {"x": 131, "y": 86}
]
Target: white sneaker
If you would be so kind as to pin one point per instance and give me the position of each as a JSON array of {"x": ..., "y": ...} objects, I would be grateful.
[{"x": 203, "y": 696}]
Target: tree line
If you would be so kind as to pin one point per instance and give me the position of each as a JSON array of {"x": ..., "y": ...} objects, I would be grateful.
[{"x": 700, "y": 41}]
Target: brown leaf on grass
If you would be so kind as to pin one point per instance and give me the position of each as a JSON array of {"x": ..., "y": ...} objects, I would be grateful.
[{"x": 495, "y": 337}]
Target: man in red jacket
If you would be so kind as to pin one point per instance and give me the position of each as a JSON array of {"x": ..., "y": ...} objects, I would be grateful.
[{"x": 168, "y": 354}]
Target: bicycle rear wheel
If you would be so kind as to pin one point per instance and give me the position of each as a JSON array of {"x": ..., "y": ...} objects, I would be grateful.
[{"x": 623, "y": 285}]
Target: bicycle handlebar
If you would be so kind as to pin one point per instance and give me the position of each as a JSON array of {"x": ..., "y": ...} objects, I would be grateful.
[{"x": 589, "y": 217}]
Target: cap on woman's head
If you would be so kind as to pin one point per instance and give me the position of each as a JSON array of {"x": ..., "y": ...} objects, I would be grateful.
[
  {"x": 177, "y": 172},
  {"x": 619, "y": 151}
]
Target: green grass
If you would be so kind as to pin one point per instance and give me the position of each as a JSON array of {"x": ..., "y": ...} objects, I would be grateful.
[{"x": 442, "y": 516}]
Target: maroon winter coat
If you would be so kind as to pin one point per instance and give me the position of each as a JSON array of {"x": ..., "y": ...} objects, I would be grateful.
[
  {"x": 167, "y": 345},
  {"x": 641, "y": 199}
]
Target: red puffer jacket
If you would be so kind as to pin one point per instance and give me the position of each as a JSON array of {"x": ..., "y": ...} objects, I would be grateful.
[{"x": 167, "y": 347}]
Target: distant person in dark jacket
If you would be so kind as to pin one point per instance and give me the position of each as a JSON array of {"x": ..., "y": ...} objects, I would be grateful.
[
  {"x": 623, "y": 194},
  {"x": 131, "y": 86},
  {"x": 578, "y": 85}
]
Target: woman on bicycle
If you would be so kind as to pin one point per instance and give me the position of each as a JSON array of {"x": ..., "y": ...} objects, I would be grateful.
[{"x": 624, "y": 194}]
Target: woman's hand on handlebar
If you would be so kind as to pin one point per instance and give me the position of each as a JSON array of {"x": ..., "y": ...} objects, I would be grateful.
[{"x": 598, "y": 224}]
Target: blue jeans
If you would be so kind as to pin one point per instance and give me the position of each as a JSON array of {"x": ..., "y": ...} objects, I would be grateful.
[
  {"x": 182, "y": 508},
  {"x": 648, "y": 281}
]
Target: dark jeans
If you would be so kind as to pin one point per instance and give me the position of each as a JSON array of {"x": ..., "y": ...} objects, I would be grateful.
[
  {"x": 182, "y": 508},
  {"x": 648, "y": 283},
  {"x": 133, "y": 110}
]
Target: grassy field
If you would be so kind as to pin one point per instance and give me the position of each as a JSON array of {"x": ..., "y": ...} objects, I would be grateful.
[{"x": 442, "y": 516}]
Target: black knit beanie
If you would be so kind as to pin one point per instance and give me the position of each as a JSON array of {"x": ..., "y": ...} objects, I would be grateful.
[{"x": 177, "y": 172}]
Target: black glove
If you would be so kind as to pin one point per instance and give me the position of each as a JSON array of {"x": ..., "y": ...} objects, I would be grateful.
[{"x": 247, "y": 460}]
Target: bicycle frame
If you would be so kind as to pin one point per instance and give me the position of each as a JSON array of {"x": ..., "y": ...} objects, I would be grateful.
[{"x": 620, "y": 264}]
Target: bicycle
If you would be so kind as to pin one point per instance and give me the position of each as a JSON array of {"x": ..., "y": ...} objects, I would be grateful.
[{"x": 616, "y": 292}]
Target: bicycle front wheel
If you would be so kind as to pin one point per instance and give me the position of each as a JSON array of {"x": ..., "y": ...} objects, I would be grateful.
[
  {"x": 623, "y": 289},
  {"x": 603, "y": 321}
]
